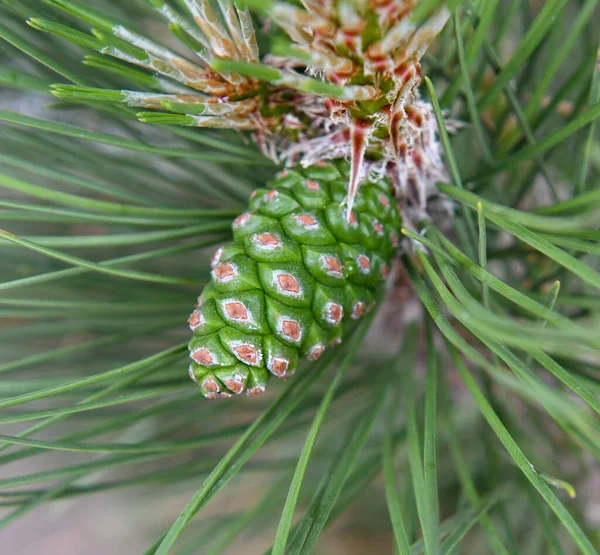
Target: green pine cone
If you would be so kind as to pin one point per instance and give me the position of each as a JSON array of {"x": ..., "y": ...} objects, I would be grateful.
[{"x": 295, "y": 275}]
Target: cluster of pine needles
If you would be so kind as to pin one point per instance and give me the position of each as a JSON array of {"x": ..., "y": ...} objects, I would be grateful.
[{"x": 478, "y": 432}]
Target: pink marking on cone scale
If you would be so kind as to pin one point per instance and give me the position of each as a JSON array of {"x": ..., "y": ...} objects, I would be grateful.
[
  {"x": 352, "y": 219},
  {"x": 279, "y": 366},
  {"x": 203, "y": 357},
  {"x": 335, "y": 312},
  {"x": 271, "y": 195},
  {"x": 378, "y": 228},
  {"x": 236, "y": 311},
  {"x": 224, "y": 272},
  {"x": 364, "y": 264},
  {"x": 358, "y": 310},
  {"x": 211, "y": 385},
  {"x": 384, "y": 201},
  {"x": 241, "y": 220},
  {"x": 268, "y": 240},
  {"x": 192, "y": 375},
  {"x": 315, "y": 352},
  {"x": 195, "y": 319},
  {"x": 214, "y": 261},
  {"x": 306, "y": 220},
  {"x": 288, "y": 283},
  {"x": 333, "y": 265},
  {"x": 256, "y": 390},
  {"x": 246, "y": 353},
  {"x": 312, "y": 185},
  {"x": 290, "y": 329},
  {"x": 234, "y": 385},
  {"x": 214, "y": 391}
]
